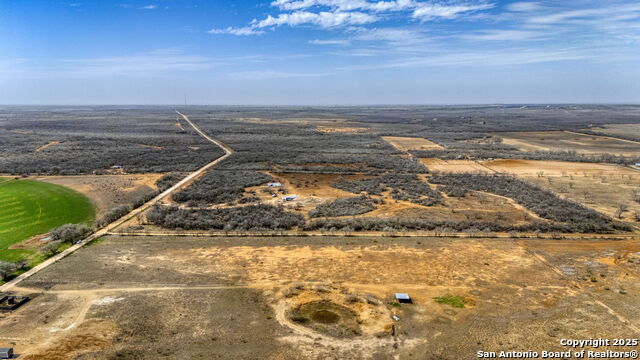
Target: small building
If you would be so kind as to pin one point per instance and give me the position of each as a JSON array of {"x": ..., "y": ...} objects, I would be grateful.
[
  {"x": 115, "y": 167},
  {"x": 289, "y": 197},
  {"x": 403, "y": 298},
  {"x": 6, "y": 353},
  {"x": 638, "y": 165},
  {"x": 274, "y": 184}
]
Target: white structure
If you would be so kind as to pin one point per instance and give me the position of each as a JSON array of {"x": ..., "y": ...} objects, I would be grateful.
[
  {"x": 289, "y": 197},
  {"x": 274, "y": 184}
]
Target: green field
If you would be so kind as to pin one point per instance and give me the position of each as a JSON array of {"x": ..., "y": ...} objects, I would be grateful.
[{"x": 29, "y": 208}]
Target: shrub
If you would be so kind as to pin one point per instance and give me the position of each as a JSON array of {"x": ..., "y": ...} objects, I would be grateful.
[
  {"x": 407, "y": 187},
  {"x": 217, "y": 187},
  {"x": 50, "y": 248},
  {"x": 69, "y": 232},
  {"x": 344, "y": 207},
  {"x": 112, "y": 215},
  {"x": 251, "y": 217},
  {"x": 7, "y": 268}
]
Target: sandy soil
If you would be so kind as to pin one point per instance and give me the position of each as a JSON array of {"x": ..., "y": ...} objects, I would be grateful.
[
  {"x": 229, "y": 298},
  {"x": 409, "y": 143},
  {"x": 569, "y": 141},
  {"x": 107, "y": 191}
]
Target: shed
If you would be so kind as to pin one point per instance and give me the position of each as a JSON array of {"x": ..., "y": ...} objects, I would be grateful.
[
  {"x": 274, "y": 184},
  {"x": 638, "y": 165},
  {"x": 6, "y": 353},
  {"x": 116, "y": 167},
  {"x": 289, "y": 197},
  {"x": 403, "y": 298}
]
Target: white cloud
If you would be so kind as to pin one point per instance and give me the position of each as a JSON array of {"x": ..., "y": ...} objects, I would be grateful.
[
  {"x": 323, "y": 19},
  {"x": 589, "y": 15},
  {"x": 337, "y": 13},
  {"x": 330, "y": 42},
  {"x": 505, "y": 35},
  {"x": 148, "y": 7},
  {"x": 489, "y": 58},
  {"x": 392, "y": 35},
  {"x": 428, "y": 11},
  {"x": 243, "y": 31},
  {"x": 524, "y": 6}
]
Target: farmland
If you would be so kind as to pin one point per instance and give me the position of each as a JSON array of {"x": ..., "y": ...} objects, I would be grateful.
[
  {"x": 29, "y": 208},
  {"x": 509, "y": 226}
]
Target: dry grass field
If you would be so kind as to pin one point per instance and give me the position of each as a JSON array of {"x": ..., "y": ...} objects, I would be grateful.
[
  {"x": 455, "y": 166},
  {"x": 317, "y": 298},
  {"x": 569, "y": 141},
  {"x": 411, "y": 143},
  {"x": 619, "y": 130}
]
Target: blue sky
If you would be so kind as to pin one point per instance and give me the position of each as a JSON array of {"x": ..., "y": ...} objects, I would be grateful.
[{"x": 319, "y": 51}]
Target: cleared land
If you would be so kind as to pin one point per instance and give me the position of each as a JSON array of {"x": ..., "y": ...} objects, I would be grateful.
[
  {"x": 569, "y": 141},
  {"x": 603, "y": 187},
  {"x": 410, "y": 143},
  {"x": 29, "y": 208},
  {"x": 455, "y": 166},
  {"x": 279, "y": 298}
]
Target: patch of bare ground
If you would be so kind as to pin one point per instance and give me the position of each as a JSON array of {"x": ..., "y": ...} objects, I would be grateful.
[
  {"x": 293, "y": 298},
  {"x": 311, "y": 189},
  {"x": 455, "y": 166},
  {"x": 411, "y": 143},
  {"x": 341, "y": 129},
  {"x": 569, "y": 141},
  {"x": 108, "y": 191}
]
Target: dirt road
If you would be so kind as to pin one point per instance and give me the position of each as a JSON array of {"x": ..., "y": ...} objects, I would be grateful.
[{"x": 107, "y": 229}]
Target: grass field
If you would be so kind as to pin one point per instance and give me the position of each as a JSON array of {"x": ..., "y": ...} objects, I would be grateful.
[{"x": 29, "y": 208}]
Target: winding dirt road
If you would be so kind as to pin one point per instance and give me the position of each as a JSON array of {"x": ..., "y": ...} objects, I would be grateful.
[{"x": 105, "y": 230}]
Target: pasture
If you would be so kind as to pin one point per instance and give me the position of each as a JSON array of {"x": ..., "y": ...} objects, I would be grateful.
[{"x": 29, "y": 208}]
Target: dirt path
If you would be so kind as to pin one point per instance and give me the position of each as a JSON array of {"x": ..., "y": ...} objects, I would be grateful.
[{"x": 107, "y": 229}]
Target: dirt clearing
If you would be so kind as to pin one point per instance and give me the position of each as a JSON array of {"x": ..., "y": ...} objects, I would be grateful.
[
  {"x": 410, "y": 143},
  {"x": 455, "y": 166},
  {"x": 310, "y": 298}
]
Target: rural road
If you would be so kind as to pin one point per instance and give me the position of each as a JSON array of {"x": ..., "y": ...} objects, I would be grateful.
[{"x": 105, "y": 230}]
